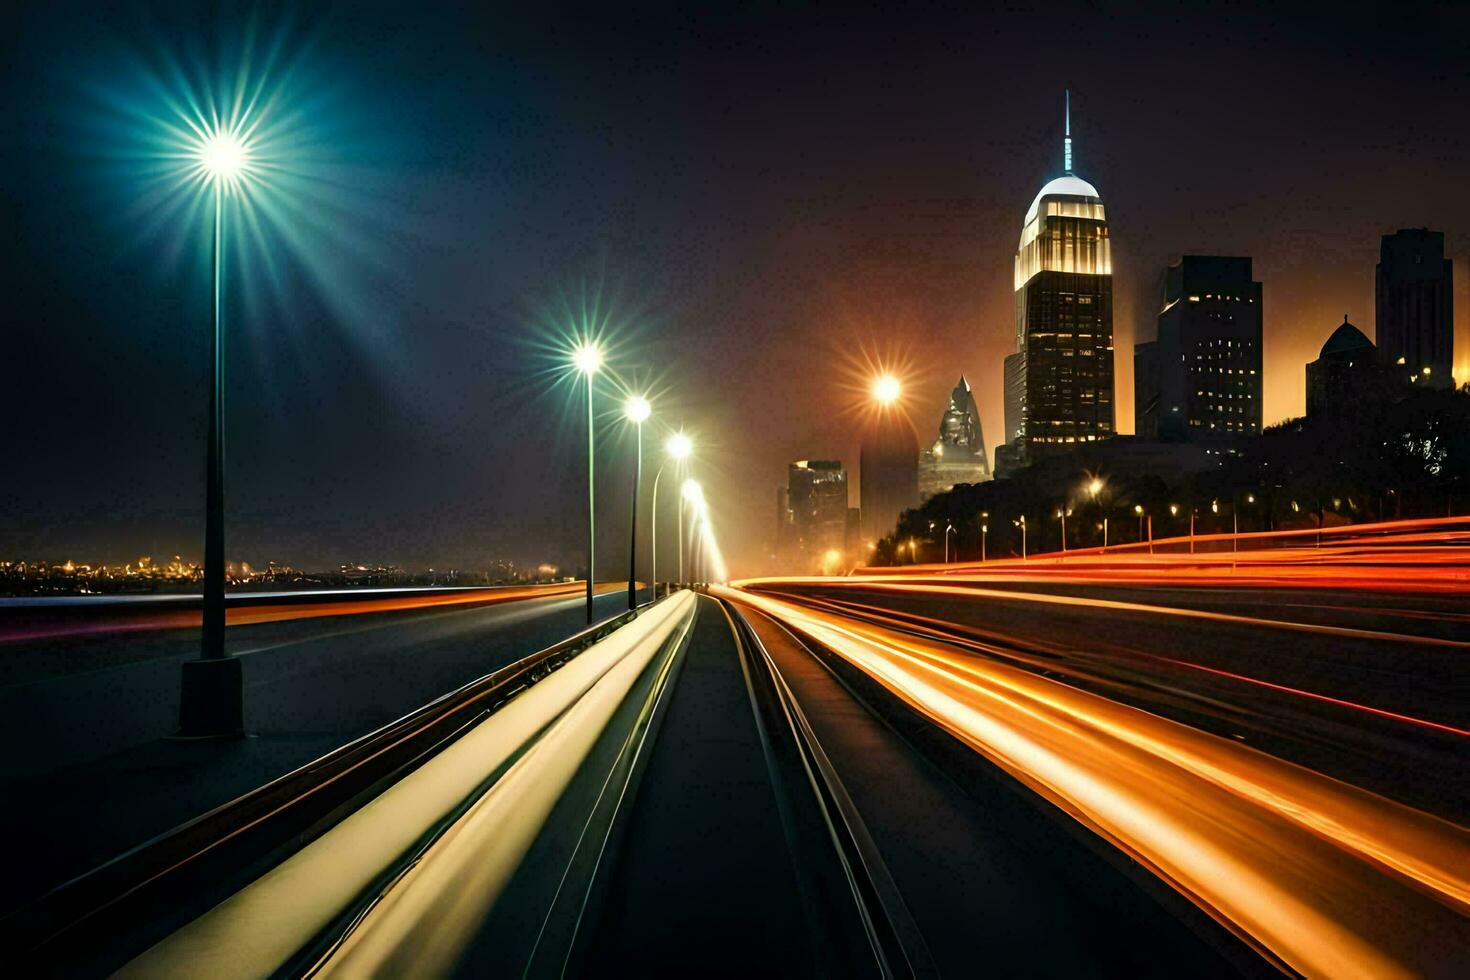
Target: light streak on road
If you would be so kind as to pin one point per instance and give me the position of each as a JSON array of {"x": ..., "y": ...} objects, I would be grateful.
[
  {"x": 1322, "y": 877},
  {"x": 541, "y": 735},
  {"x": 1425, "y": 556},
  {"x": 132, "y": 617}
]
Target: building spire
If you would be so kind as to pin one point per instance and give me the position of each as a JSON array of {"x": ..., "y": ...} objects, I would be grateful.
[{"x": 1067, "y": 140}]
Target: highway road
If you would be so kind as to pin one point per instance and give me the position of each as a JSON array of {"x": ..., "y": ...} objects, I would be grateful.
[
  {"x": 89, "y": 697},
  {"x": 1149, "y": 769}
]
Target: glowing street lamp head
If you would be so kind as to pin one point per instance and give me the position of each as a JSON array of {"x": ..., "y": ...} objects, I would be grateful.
[
  {"x": 886, "y": 389},
  {"x": 637, "y": 409},
  {"x": 1095, "y": 486},
  {"x": 692, "y": 490},
  {"x": 587, "y": 358},
  {"x": 223, "y": 156},
  {"x": 679, "y": 446}
]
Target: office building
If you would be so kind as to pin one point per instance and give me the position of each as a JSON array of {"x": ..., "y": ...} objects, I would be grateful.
[
  {"x": 816, "y": 495},
  {"x": 1415, "y": 305},
  {"x": 1201, "y": 379},
  {"x": 1059, "y": 382}
]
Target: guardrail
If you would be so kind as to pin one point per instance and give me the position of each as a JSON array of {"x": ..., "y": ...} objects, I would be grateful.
[{"x": 156, "y": 886}]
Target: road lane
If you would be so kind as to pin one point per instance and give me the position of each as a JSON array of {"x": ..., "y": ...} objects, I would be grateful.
[
  {"x": 1325, "y": 878},
  {"x": 1386, "y": 715},
  {"x": 95, "y": 742}
]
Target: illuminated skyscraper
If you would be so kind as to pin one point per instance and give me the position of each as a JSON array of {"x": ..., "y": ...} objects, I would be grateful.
[
  {"x": 1416, "y": 313},
  {"x": 1059, "y": 388}
]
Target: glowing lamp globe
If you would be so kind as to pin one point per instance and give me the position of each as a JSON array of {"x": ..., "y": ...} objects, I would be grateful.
[
  {"x": 637, "y": 409},
  {"x": 886, "y": 389},
  {"x": 679, "y": 446},
  {"x": 223, "y": 157},
  {"x": 587, "y": 358}
]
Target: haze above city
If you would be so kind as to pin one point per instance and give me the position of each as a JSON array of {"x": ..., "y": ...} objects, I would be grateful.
[{"x": 755, "y": 204}]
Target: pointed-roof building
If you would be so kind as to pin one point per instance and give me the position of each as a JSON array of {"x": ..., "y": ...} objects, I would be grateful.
[
  {"x": 958, "y": 455},
  {"x": 1059, "y": 382}
]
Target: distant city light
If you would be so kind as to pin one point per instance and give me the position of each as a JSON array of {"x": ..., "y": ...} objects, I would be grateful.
[
  {"x": 1095, "y": 486},
  {"x": 886, "y": 389},
  {"x": 637, "y": 409}
]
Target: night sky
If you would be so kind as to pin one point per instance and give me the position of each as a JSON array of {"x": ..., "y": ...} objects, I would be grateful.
[{"x": 753, "y": 203}]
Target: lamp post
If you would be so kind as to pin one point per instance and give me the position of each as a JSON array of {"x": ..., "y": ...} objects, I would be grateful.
[
  {"x": 984, "y": 532},
  {"x": 588, "y": 360},
  {"x": 1021, "y": 523},
  {"x": 1094, "y": 487},
  {"x": 1138, "y": 510},
  {"x": 636, "y": 410},
  {"x": 1062, "y": 516},
  {"x": 948, "y": 530},
  {"x": 211, "y": 703},
  {"x": 678, "y": 447},
  {"x": 690, "y": 493}
]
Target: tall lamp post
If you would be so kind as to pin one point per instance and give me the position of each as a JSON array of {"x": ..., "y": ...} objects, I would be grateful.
[
  {"x": 678, "y": 447},
  {"x": 636, "y": 410},
  {"x": 689, "y": 493},
  {"x": 984, "y": 532},
  {"x": 1062, "y": 513},
  {"x": 211, "y": 703},
  {"x": 588, "y": 360},
  {"x": 1021, "y": 523},
  {"x": 948, "y": 530}
]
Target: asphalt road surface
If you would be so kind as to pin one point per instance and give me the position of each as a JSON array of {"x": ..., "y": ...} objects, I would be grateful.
[{"x": 86, "y": 715}]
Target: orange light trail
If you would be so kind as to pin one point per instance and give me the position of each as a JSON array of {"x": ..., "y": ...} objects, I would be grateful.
[
  {"x": 84, "y": 620},
  {"x": 1323, "y": 878}
]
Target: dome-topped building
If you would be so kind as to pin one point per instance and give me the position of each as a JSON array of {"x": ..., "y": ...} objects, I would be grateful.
[
  {"x": 1059, "y": 382},
  {"x": 1347, "y": 371}
]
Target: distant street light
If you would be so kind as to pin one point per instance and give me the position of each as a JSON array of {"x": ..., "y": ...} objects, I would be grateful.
[
  {"x": 1022, "y": 525},
  {"x": 587, "y": 359},
  {"x": 984, "y": 532},
  {"x": 678, "y": 447},
  {"x": 211, "y": 703},
  {"x": 636, "y": 410},
  {"x": 1062, "y": 513},
  {"x": 948, "y": 530},
  {"x": 1138, "y": 510}
]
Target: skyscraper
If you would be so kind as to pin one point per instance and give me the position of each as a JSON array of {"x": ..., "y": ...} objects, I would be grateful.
[
  {"x": 1415, "y": 298},
  {"x": 1201, "y": 380},
  {"x": 958, "y": 455},
  {"x": 816, "y": 494},
  {"x": 1062, "y": 371}
]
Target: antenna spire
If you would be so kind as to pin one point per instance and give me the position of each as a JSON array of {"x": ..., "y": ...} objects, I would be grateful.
[{"x": 1067, "y": 140}]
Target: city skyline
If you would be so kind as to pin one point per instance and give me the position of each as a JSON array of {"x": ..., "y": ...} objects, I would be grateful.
[{"x": 908, "y": 254}]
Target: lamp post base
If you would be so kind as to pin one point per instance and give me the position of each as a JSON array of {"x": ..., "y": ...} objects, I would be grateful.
[{"x": 211, "y": 700}]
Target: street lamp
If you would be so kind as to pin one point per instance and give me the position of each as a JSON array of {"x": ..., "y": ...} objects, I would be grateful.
[
  {"x": 587, "y": 359},
  {"x": 1062, "y": 513},
  {"x": 948, "y": 530},
  {"x": 1022, "y": 525},
  {"x": 886, "y": 389},
  {"x": 678, "y": 447},
  {"x": 636, "y": 410},
  {"x": 211, "y": 703},
  {"x": 1138, "y": 510},
  {"x": 984, "y": 532}
]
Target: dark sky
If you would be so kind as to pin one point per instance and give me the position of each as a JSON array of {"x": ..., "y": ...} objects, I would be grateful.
[{"x": 755, "y": 200}]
